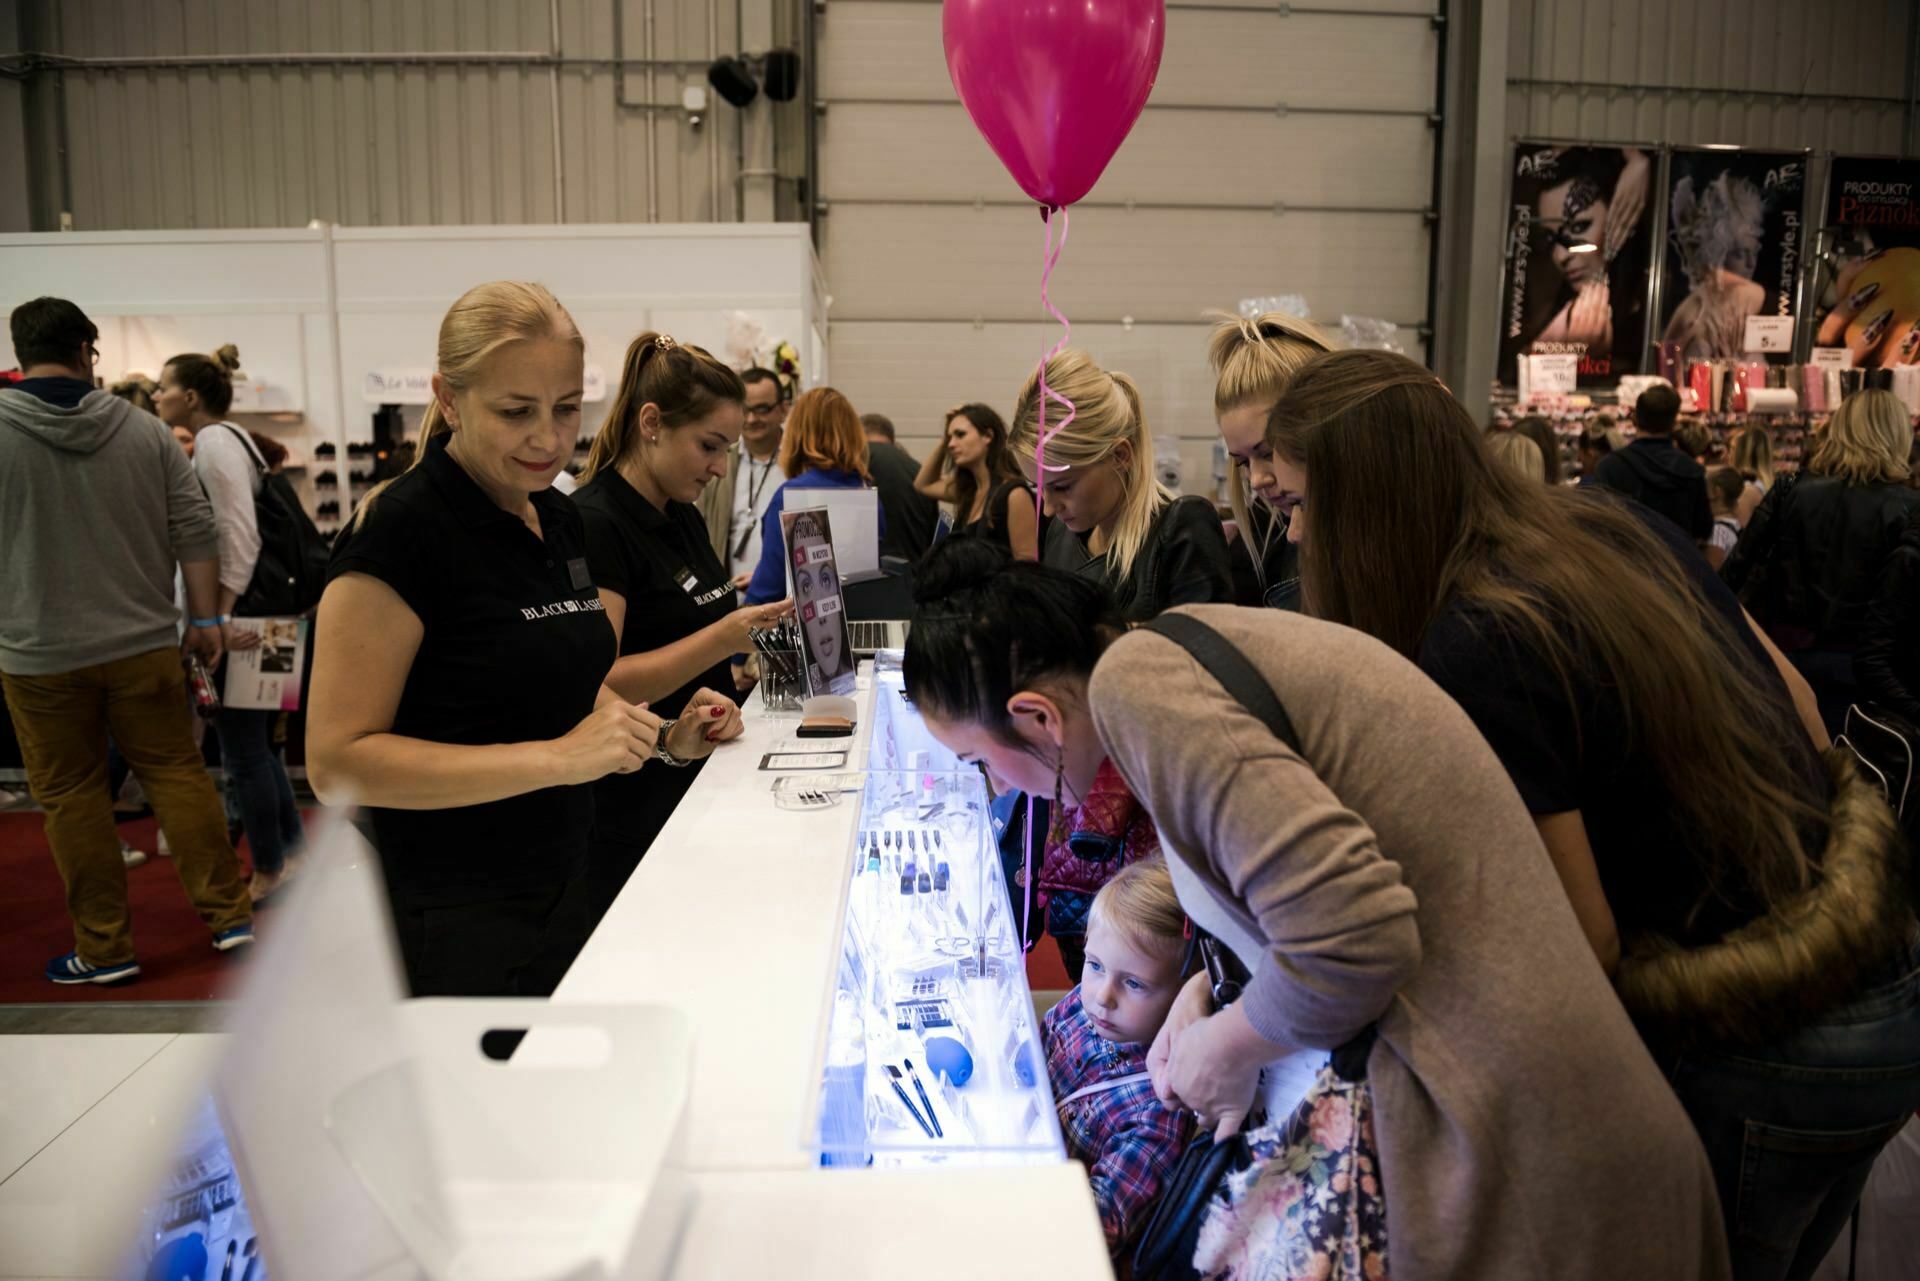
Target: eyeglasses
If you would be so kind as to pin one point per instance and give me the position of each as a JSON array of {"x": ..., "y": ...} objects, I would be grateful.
[
  {"x": 763, "y": 411},
  {"x": 93, "y": 355}
]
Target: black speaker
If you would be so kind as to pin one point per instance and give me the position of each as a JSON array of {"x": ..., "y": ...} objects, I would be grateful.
[
  {"x": 783, "y": 75},
  {"x": 731, "y": 80}
]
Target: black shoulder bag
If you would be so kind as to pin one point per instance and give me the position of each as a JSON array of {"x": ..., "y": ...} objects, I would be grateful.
[{"x": 1167, "y": 1244}]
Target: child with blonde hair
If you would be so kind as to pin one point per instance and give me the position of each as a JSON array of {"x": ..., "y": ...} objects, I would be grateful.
[{"x": 1096, "y": 1042}]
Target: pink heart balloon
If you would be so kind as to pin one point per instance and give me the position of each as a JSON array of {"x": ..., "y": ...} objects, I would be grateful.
[{"x": 1054, "y": 85}]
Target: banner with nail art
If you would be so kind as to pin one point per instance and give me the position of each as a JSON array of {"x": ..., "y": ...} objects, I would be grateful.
[
  {"x": 1736, "y": 240},
  {"x": 1579, "y": 258},
  {"x": 1866, "y": 283}
]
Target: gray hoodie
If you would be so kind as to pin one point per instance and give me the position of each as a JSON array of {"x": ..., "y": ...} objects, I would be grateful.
[{"x": 97, "y": 505}]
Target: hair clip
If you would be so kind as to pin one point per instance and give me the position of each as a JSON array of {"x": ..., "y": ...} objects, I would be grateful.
[{"x": 664, "y": 342}]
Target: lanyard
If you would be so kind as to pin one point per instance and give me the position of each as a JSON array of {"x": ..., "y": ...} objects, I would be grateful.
[{"x": 753, "y": 500}]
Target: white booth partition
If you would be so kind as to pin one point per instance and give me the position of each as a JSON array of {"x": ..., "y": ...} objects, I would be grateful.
[{"x": 333, "y": 322}]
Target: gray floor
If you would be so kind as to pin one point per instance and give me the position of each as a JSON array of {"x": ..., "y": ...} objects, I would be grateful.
[{"x": 115, "y": 1016}]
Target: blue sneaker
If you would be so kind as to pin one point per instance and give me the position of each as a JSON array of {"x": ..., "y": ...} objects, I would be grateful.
[
  {"x": 71, "y": 969},
  {"x": 238, "y": 936}
]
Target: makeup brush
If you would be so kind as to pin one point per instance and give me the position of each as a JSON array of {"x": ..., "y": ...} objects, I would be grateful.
[
  {"x": 921, "y": 1090},
  {"x": 893, "y": 1079}
]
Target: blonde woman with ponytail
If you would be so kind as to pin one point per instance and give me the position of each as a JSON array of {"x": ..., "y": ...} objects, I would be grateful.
[
  {"x": 678, "y": 415},
  {"x": 458, "y": 658},
  {"x": 1112, "y": 519},
  {"x": 1253, "y": 358}
]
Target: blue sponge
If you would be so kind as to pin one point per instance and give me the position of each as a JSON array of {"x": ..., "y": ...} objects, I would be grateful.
[{"x": 946, "y": 1054}]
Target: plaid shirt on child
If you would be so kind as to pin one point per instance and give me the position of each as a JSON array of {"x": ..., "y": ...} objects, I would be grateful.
[{"x": 1127, "y": 1139}]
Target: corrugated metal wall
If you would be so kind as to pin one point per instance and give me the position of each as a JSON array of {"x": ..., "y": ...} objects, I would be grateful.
[
  {"x": 1278, "y": 154},
  {"x": 1757, "y": 73},
  {"x": 277, "y": 144}
]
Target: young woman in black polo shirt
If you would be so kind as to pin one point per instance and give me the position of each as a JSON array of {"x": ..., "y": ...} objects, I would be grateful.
[
  {"x": 459, "y": 653},
  {"x": 667, "y": 593}
]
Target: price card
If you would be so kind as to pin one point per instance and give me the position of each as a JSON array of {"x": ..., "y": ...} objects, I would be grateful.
[
  {"x": 1769, "y": 333},
  {"x": 1556, "y": 375},
  {"x": 1833, "y": 357}
]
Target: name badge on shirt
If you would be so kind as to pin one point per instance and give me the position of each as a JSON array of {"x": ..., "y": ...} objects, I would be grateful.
[
  {"x": 688, "y": 582},
  {"x": 577, "y": 571}
]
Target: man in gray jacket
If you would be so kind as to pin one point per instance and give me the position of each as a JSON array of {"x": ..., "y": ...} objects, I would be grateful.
[{"x": 99, "y": 504}]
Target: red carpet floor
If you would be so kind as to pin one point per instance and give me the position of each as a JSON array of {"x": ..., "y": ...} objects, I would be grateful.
[{"x": 177, "y": 961}]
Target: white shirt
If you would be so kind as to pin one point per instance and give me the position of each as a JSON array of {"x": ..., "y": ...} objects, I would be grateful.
[
  {"x": 754, "y": 485},
  {"x": 231, "y": 477},
  {"x": 1726, "y": 534}
]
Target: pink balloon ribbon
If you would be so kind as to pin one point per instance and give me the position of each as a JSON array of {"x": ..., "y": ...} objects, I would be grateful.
[{"x": 1050, "y": 258}]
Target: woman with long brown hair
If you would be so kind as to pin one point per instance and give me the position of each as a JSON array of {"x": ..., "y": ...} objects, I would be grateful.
[
  {"x": 824, "y": 448},
  {"x": 973, "y": 469},
  {"x": 667, "y": 593},
  {"x": 1747, "y": 903}
]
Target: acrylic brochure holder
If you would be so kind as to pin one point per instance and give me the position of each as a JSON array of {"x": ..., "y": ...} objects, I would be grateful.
[
  {"x": 375, "y": 1133},
  {"x": 931, "y": 1052}
]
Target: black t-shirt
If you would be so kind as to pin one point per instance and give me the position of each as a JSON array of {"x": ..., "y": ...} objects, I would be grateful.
[
  {"x": 1579, "y": 755},
  {"x": 516, "y": 644},
  {"x": 663, "y": 565},
  {"x": 911, "y": 517},
  {"x": 993, "y": 524}
]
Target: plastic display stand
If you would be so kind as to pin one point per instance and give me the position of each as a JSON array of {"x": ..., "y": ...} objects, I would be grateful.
[{"x": 376, "y": 1137}]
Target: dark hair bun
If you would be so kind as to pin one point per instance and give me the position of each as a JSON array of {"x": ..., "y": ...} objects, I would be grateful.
[{"x": 959, "y": 564}]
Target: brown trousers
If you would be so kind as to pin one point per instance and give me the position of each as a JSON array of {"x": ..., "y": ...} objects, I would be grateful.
[{"x": 62, "y": 723}]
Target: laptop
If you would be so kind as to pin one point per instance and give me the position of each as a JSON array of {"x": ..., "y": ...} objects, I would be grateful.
[
  {"x": 878, "y": 604},
  {"x": 854, "y": 515}
]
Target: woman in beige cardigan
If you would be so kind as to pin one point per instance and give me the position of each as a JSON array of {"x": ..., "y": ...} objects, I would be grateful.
[{"x": 1390, "y": 875}]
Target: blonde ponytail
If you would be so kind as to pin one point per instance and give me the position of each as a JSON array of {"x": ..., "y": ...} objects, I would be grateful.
[
  {"x": 483, "y": 320},
  {"x": 1107, "y": 414},
  {"x": 1253, "y": 359}
]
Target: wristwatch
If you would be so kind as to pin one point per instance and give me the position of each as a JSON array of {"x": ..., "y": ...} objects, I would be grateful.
[{"x": 660, "y": 752}]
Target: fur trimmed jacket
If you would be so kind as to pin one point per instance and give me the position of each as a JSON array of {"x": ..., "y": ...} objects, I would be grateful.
[{"x": 1791, "y": 967}]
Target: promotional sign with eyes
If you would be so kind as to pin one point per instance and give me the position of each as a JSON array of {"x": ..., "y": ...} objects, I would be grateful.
[
  {"x": 815, "y": 581},
  {"x": 1579, "y": 257},
  {"x": 1866, "y": 288}
]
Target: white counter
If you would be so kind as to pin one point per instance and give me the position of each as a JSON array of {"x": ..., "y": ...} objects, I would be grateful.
[{"x": 736, "y": 916}]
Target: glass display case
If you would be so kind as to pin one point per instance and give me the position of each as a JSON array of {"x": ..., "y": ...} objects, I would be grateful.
[{"x": 933, "y": 1052}]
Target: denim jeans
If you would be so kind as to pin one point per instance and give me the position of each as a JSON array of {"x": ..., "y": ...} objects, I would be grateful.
[
  {"x": 257, "y": 785},
  {"x": 1792, "y": 1130}
]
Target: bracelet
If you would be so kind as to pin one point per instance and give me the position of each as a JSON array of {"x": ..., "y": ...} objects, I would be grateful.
[
  {"x": 660, "y": 752},
  {"x": 209, "y": 622}
]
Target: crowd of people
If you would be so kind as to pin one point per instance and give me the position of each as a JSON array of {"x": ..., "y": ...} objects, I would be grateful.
[{"x": 1516, "y": 799}]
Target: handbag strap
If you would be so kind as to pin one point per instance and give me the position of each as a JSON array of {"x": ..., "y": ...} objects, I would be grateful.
[
  {"x": 1230, "y": 667},
  {"x": 1101, "y": 1087},
  {"x": 1243, "y": 681}
]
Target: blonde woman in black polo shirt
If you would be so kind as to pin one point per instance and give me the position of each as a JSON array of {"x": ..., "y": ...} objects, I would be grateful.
[
  {"x": 459, "y": 654},
  {"x": 669, "y": 596}
]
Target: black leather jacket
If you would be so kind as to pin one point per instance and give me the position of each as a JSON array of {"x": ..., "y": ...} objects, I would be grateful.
[
  {"x": 1808, "y": 564},
  {"x": 1184, "y": 561},
  {"x": 1887, "y": 664}
]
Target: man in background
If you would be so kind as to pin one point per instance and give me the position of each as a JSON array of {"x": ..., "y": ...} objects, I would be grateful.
[
  {"x": 735, "y": 504},
  {"x": 99, "y": 505},
  {"x": 1653, "y": 471},
  {"x": 911, "y": 517}
]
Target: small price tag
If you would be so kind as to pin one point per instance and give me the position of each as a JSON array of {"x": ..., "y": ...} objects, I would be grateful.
[
  {"x": 1770, "y": 333},
  {"x": 1833, "y": 357},
  {"x": 1555, "y": 375}
]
